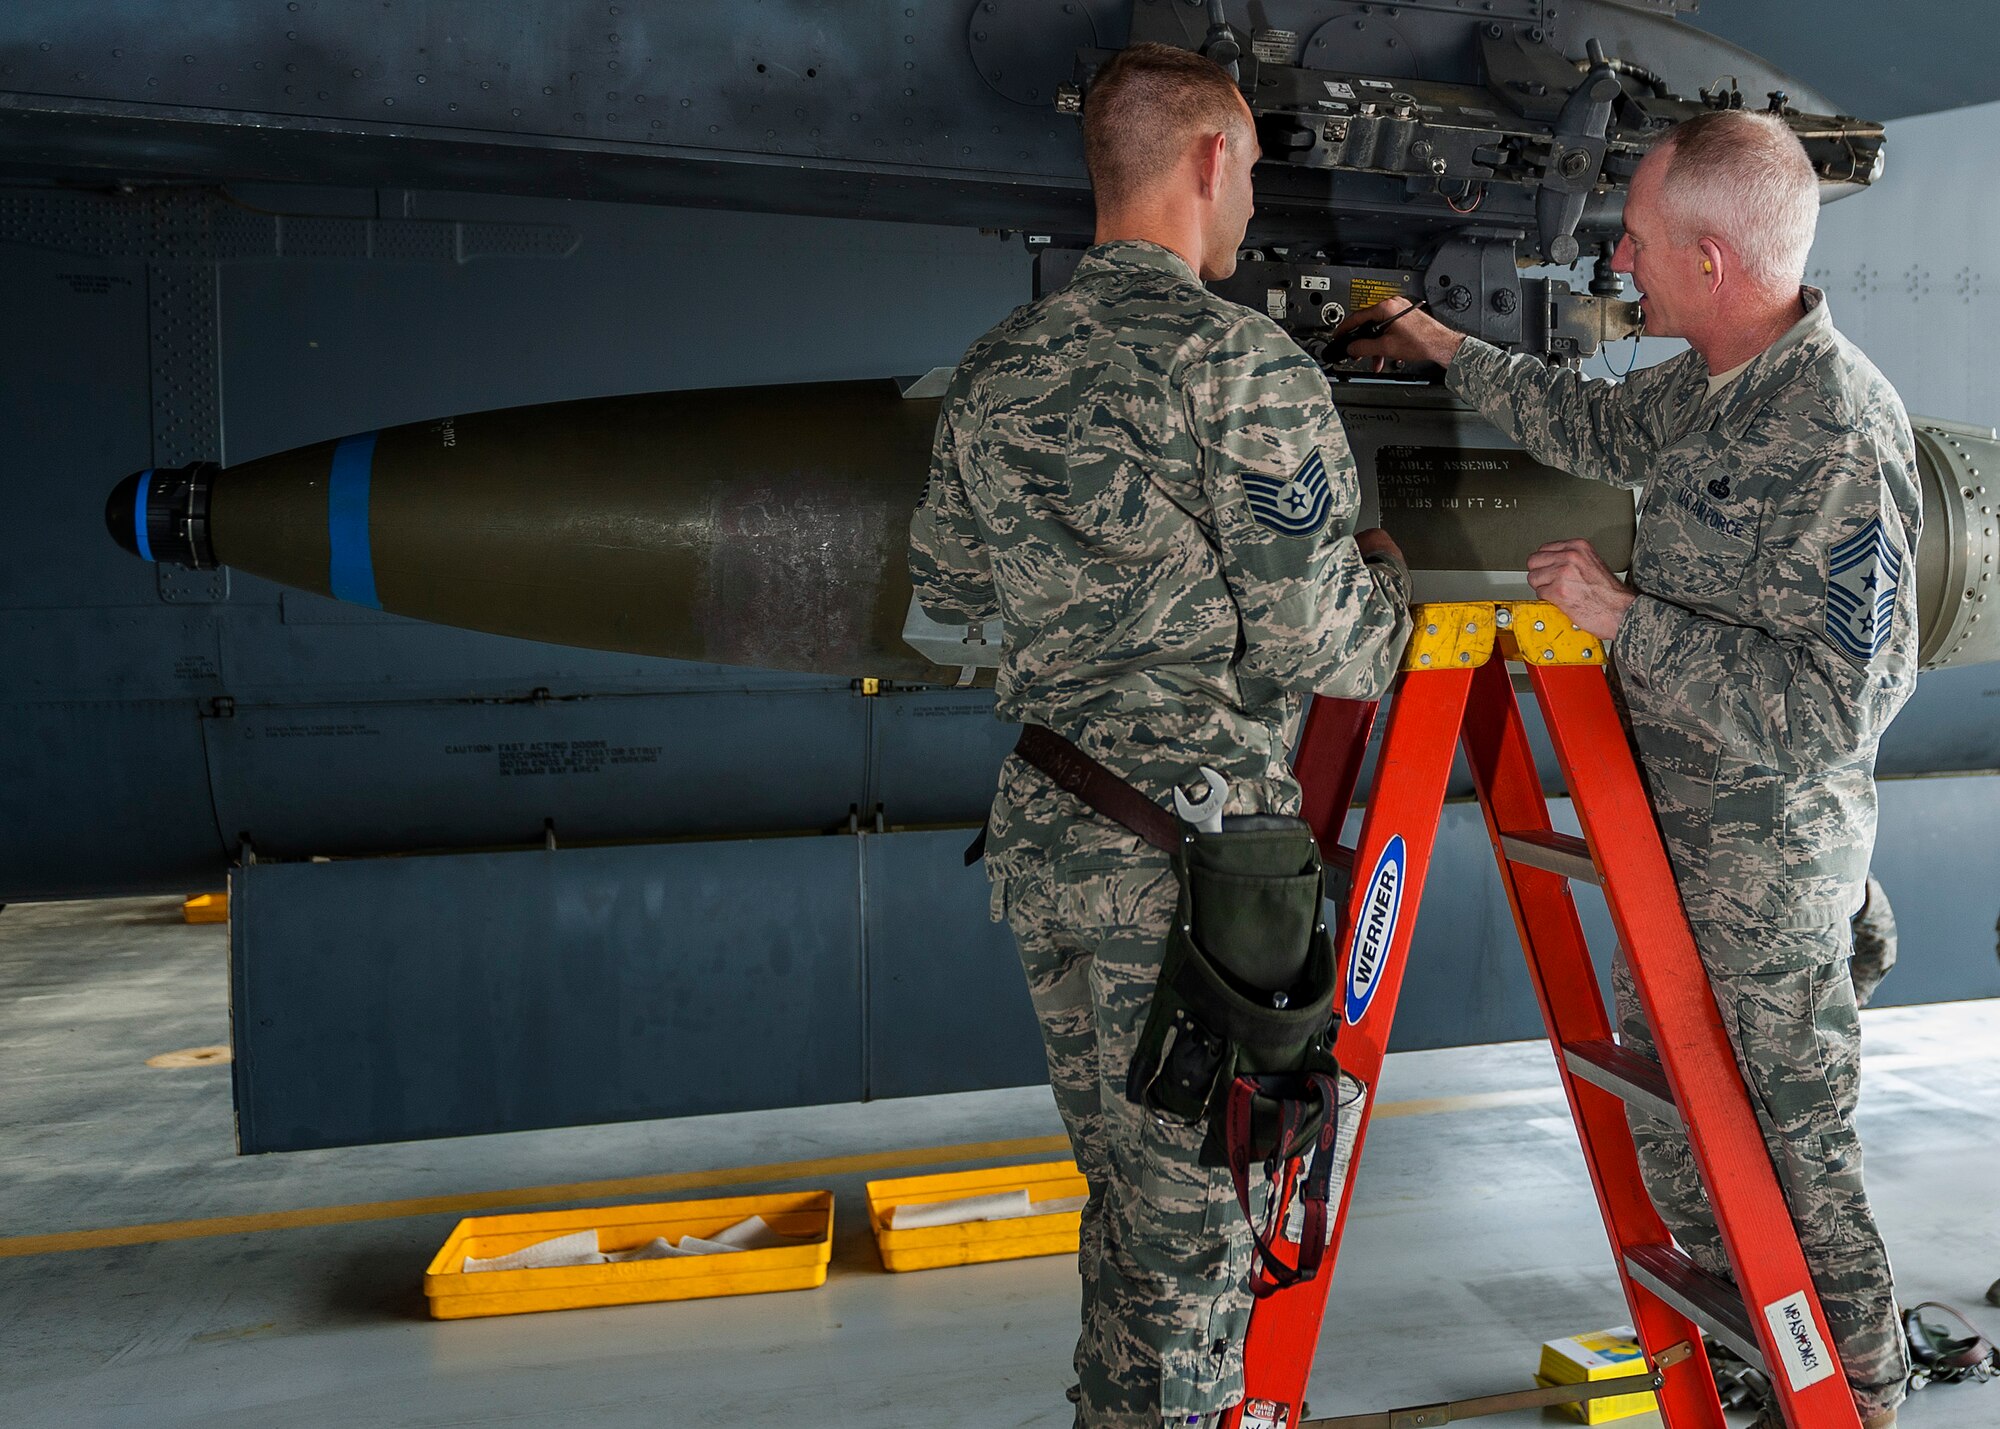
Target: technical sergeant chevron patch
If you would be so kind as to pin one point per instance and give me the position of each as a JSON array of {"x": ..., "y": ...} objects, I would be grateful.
[{"x": 1297, "y": 507}]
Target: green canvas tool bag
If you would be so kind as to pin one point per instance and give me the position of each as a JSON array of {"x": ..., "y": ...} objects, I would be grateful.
[
  {"x": 1240, "y": 1033},
  {"x": 1246, "y": 986}
]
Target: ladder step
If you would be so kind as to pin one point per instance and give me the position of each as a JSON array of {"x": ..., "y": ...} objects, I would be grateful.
[
  {"x": 1635, "y": 1079},
  {"x": 1710, "y": 1303},
  {"x": 1556, "y": 853},
  {"x": 1338, "y": 856}
]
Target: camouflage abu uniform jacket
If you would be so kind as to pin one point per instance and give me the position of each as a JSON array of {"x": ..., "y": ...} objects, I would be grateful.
[
  {"x": 1775, "y": 634},
  {"x": 1149, "y": 486}
]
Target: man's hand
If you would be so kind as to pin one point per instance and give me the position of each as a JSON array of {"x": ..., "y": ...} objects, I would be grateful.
[
  {"x": 1416, "y": 337},
  {"x": 1571, "y": 576},
  {"x": 1377, "y": 542}
]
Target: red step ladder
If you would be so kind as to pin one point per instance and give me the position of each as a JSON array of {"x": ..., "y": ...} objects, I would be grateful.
[{"x": 1457, "y": 690}]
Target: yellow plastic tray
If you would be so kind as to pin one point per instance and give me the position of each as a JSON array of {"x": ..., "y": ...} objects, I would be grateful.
[
  {"x": 454, "y": 1295},
  {"x": 978, "y": 1241},
  {"x": 206, "y": 908}
]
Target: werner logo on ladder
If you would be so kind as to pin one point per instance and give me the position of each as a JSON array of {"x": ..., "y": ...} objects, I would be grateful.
[
  {"x": 1380, "y": 904},
  {"x": 1457, "y": 690}
]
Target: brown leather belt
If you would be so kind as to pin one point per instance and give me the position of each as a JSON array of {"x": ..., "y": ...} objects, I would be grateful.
[{"x": 1076, "y": 773}]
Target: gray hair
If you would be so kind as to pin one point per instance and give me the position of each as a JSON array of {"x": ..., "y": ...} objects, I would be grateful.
[{"x": 1743, "y": 177}]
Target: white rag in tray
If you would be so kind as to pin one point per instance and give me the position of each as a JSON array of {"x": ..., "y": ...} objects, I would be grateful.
[
  {"x": 581, "y": 1248},
  {"x": 752, "y": 1234},
  {"x": 1001, "y": 1206},
  {"x": 577, "y": 1248}
]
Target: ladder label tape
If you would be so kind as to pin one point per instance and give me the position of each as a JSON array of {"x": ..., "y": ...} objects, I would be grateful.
[
  {"x": 1353, "y": 1096},
  {"x": 1808, "y": 1359},
  {"x": 1375, "y": 929}
]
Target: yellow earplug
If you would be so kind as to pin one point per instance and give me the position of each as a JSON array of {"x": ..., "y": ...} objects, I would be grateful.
[{"x": 1706, "y": 266}]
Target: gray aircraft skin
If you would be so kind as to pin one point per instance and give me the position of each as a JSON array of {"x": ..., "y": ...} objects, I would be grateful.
[
  {"x": 1422, "y": 152},
  {"x": 1383, "y": 129},
  {"x": 1415, "y": 148}
]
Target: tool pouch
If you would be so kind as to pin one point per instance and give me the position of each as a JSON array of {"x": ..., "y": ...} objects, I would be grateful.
[{"x": 1246, "y": 990}]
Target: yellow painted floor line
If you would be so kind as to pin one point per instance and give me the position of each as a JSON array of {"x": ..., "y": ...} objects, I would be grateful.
[
  {"x": 1472, "y": 1101},
  {"x": 529, "y": 1196},
  {"x": 157, "y": 1231}
]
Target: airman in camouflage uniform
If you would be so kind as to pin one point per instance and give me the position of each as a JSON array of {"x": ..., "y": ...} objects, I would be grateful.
[
  {"x": 1151, "y": 489},
  {"x": 1768, "y": 634}
]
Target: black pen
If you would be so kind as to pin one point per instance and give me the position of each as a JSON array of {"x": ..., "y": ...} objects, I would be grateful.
[{"x": 1369, "y": 331}]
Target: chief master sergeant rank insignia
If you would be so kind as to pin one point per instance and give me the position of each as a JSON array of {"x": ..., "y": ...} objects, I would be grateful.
[{"x": 1861, "y": 577}]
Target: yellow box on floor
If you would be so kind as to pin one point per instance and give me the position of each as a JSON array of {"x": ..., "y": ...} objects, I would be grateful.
[
  {"x": 206, "y": 908},
  {"x": 977, "y": 1241},
  {"x": 1585, "y": 1359},
  {"x": 806, "y": 1216}
]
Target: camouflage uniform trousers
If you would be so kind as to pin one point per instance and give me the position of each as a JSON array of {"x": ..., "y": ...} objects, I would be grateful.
[
  {"x": 1165, "y": 1250},
  {"x": 1797, "y": 1038}
]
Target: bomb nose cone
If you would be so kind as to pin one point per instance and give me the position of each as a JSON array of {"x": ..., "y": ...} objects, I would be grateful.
[
  {"x": 161, "y": 514},
  {"x": 121, "y": 513}
]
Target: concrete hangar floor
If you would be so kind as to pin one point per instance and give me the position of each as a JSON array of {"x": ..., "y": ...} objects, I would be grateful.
[{"x": 134, "y": 1291}]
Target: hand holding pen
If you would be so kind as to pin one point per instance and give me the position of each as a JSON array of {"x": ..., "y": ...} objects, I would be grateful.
[{"x": 1381, "y": 333}]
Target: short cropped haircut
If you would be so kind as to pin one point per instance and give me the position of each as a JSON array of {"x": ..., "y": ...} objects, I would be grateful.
[
  {"x": 1143, "y": 110},
  {"x": 1744, "y": 177}
]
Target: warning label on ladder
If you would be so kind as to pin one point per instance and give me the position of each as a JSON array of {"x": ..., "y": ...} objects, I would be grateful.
[
  {"x": 1266, "y": 1414},
  {"x": 1346, "y": 1130},
  {"x": 1807, "y": 1358}
]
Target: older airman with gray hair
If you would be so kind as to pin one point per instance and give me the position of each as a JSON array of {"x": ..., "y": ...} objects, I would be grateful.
[{"x": 1764, "y": 638}]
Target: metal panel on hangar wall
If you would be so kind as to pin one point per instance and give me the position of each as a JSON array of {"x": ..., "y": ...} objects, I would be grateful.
[
  {"x": 102, "y": 782},
  {"x": 394, "y": 998},
  {"x": 385, "y": 999},
  {"x": 141, "y": 815},
  {"x": 1937, "y": 852},
  {"x": 948, "y": 1008}
]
